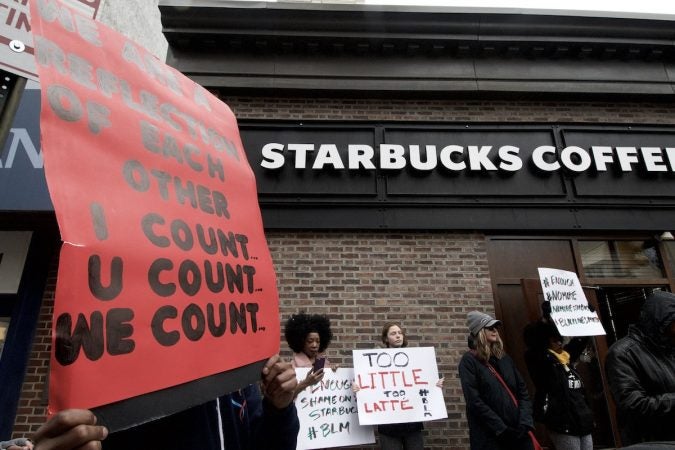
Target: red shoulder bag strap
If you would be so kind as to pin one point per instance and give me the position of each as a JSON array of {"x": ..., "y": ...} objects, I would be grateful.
[
  {"x": 493, "y": 371},
  {"x": 501, "y": 380}
]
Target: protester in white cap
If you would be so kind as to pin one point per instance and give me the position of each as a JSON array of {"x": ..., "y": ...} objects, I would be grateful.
[{"x": 498, "y": 408}]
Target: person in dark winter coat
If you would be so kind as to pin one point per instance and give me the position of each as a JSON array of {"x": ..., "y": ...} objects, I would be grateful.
[
  {"x": 496, "y": 422},
  {"x": 559, "y": 402},
  {"x": 641, "y": 373},
  {"x": 238, "y": 421}
]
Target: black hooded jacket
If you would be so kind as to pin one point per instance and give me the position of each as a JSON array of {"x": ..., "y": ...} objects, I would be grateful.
[
  {"x": 559, "y": 401},
  {"x": 489, "y": 408},
  {"x": 641, "y": 374}
]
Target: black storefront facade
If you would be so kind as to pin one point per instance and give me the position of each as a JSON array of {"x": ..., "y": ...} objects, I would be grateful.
[
  {"x": 417, "y": 164},
  {"x": 525, "y": 187}
]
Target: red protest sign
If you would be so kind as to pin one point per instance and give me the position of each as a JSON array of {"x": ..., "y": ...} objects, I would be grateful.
[{"x": 165, "y": 276}]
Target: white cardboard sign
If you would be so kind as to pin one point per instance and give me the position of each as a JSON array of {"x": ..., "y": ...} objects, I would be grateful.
[
  {"x": 17, "y": 52},
  {"x": 569, "y": 306},
  {"x": 398, "y": 385},
  {"x": 328, "y": 413}
]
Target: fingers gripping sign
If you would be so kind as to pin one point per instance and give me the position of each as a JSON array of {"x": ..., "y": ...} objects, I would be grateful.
[{"x": 70, "y": 429}]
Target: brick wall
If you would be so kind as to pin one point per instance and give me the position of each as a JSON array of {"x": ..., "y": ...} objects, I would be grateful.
[
  {"x": 361, "y": 280},
  {"x": 451, "y": 110},
  {"x": 427, "y": 281},
  {"x": 32, "y": 408}
]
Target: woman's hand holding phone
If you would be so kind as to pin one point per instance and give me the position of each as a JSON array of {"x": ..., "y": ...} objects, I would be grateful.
[{"x": 313, "y": 377}]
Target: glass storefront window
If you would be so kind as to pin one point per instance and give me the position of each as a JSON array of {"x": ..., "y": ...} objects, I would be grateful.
[
  {"x": 621, "y": 259},
  {"x": 4, "y": 325}
]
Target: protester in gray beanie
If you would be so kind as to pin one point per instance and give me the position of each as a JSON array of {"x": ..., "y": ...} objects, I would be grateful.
[
  {"x": 477, "y": 320},
  {"x": 498, "y": 408}
]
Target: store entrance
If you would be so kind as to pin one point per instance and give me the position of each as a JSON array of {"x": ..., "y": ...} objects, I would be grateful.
[{"x": 617, "y": 276}]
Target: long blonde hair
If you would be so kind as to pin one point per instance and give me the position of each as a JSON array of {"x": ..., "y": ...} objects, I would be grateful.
[{"x": 485, "y": 349}]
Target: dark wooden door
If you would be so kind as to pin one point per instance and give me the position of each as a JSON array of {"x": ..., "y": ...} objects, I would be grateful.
[{"x": 512, "y": 260}]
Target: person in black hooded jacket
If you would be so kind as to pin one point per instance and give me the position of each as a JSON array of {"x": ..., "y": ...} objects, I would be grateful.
[
  {"x": 560, "y": 402},
  {"x": 641, "y": 373}
]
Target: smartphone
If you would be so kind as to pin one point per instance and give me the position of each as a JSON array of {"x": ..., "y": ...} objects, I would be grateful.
[{"x": 319, "y": 362}]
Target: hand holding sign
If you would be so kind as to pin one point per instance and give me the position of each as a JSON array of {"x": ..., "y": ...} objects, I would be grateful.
[
  {"x": 70, "y": 429},
  {"x": 278, "y": 382}
]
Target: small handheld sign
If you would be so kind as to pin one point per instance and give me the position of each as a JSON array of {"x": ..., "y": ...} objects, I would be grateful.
[{"x": 569, "y": 306}]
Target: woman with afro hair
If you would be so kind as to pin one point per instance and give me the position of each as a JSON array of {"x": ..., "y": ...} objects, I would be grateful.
[{"x": 308, "y": 336}]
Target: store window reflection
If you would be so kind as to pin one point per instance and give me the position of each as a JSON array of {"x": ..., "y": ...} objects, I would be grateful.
[
  {"x": 625, "y": 272},
  {"x": 621, "y": 259}
]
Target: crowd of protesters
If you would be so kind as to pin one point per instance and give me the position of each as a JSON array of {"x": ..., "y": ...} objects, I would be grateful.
[{"x": 640, "y": 370}]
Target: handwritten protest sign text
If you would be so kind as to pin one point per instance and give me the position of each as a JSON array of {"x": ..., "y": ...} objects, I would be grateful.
[
  {"x": 400, "y": 381},
  {"x": 164, "y": 257},
  {"x": 569, "y": 306},
  {"x": 328, "y": 412}
]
